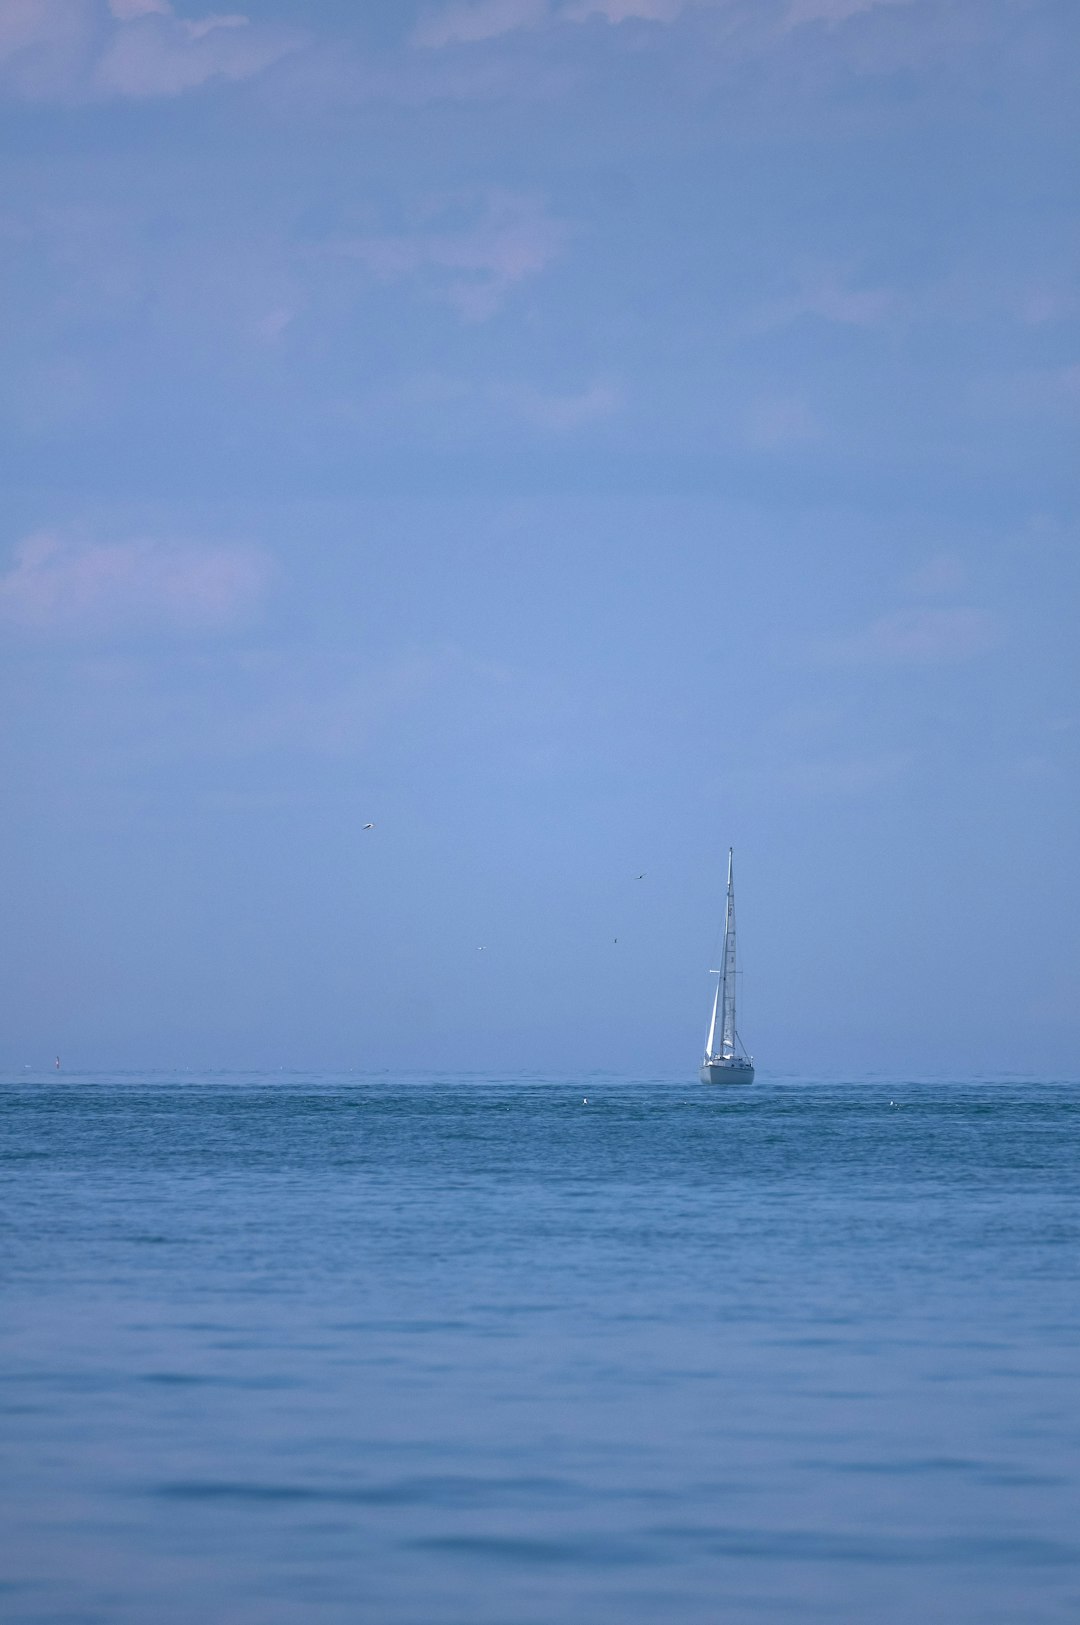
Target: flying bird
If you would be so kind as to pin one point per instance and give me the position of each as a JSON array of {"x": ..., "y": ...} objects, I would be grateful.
[
  {"x": 369, "y": 826},
  {"x": 642, "y": 876}
]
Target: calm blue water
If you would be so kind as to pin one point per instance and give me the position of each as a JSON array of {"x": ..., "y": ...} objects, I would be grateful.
[{"x": 472, "y": 1352}]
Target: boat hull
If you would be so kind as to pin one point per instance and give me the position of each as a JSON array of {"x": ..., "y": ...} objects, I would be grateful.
[{"x": 727, "y": 1072}]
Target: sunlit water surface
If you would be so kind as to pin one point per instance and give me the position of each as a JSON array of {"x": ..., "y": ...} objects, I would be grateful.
[{"x": 472, "y": 1351}]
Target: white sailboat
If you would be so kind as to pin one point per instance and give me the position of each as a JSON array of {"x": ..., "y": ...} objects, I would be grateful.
[{"x": 726, "y": 1061}]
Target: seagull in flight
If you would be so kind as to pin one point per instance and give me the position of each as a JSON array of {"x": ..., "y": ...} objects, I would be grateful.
[
  {"x": 642, "y": 876},
  {"x": 369, "y": 826}
]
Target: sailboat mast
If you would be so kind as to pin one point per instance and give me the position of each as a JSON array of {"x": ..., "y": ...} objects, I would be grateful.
[{"x": 727, "y": 980}]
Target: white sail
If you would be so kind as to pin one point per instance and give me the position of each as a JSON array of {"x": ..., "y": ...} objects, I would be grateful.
[{"x": 711, "y": 1040}]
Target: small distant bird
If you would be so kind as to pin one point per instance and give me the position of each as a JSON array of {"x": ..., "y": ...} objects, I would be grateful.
[
  {"x": 369, "y": 826},
  {"x": 642, "y": 876},
  {"x": 58, "y": 1063},
  {"x": 480, "y": 950}
]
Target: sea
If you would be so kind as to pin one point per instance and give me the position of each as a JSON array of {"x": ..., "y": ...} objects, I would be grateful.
[{"x": 313, "y": 1349}]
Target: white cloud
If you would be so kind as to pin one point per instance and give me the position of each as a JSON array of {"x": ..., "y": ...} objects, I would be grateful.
[
  {"x": 159, "y": 54},
  {"x": 25, "y": 23},
  {"x": 126, "y": 10},
  {"x": 332, "y": 705},
  {"x": 465, "y": 22},
  {"x": 82, "y": 50},
  {"x": 623, "y": 11},
  {"x": 774, "y": 421},
  {"x": 941, "y": 575},
  {"x": 45, "y": 44},
  {"x": 273, "y": 324},
  {"x": 917, "y": 637},
  {"x": 1041, "y": 304},
  {"x": 455, "y": 409},
  {"x": 58, "y": 585},
  {"x": 829, "y": 295},
  {"x": 832, "y": 12},
  {"x": 562, "y": 412},
  {"x": 473, "y": 265},
  {"x": 469, "y": 21}
]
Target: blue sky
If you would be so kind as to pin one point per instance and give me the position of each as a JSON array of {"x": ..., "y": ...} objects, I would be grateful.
[{"x": 574, "y": 436}]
